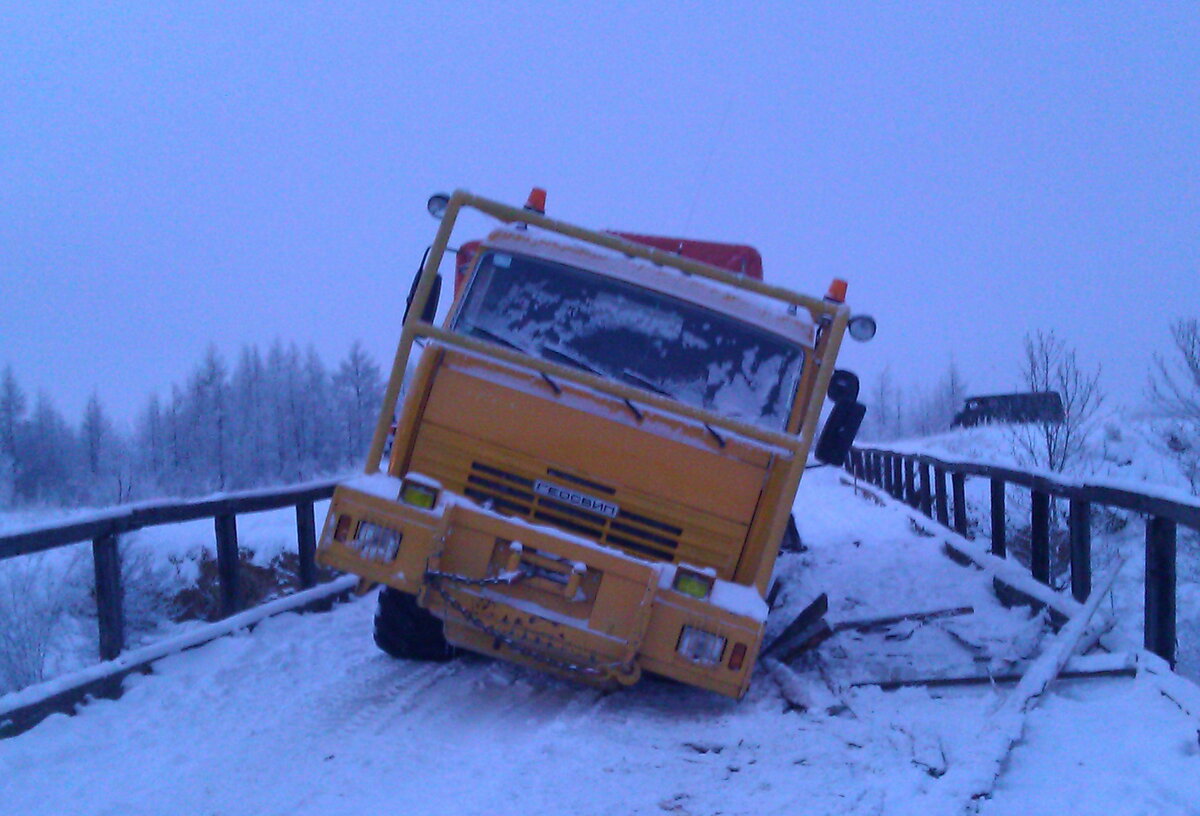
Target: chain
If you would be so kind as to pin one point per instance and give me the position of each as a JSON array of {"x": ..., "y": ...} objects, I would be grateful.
[
  {"x": 435, "y": 580},
  {"x": 505, "y": 578}
]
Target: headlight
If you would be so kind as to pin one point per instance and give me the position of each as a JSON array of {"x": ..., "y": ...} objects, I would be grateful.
[
  {"x": 694, "y": 584},
  {"x": 376, "y": 543},
  {"x": 701, "y": 647},
  {"x": 418, "y": 494},
  {"x": 862, "y": 327}
]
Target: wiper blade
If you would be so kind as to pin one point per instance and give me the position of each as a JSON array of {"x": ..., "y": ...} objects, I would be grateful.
[
  {"x": 563, "y": 357},
  {"x": 638, "y": 379},
  {"x": 495, "y": 338}
]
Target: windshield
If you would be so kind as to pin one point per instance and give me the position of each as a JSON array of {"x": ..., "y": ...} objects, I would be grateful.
[{"x": 642, "y": 337}]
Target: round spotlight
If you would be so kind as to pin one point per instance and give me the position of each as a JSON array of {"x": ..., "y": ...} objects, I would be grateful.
[
  {"x": 437, "y": 204},
  {"x": 862, "y": 327}
]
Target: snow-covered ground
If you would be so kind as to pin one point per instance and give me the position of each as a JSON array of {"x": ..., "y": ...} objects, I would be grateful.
[{"x": 304, "y": 716}]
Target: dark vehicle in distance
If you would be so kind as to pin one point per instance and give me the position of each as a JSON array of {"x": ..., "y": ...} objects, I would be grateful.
[{"x": 1036, "y": 406}]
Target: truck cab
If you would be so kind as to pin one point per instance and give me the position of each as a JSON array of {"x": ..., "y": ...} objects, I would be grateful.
[{"x": 595, "y": 459}]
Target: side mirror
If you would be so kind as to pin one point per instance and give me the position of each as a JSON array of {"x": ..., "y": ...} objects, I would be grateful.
[
  {"x": 843, "y": 386},
  {"x": 839, "y": 432},
  {"x": 431, "y": 305}
]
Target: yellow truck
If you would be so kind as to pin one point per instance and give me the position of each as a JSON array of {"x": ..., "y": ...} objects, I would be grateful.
[{"x": 595, "y": 458}]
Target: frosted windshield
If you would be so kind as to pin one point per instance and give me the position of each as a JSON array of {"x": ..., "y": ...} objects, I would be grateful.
[{"x": 633, "y": 334}]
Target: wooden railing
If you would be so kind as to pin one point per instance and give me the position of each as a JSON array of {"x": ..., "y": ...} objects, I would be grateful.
[
  {"x": 921, "y": 482},
  {"x": 103, "y": 531}
]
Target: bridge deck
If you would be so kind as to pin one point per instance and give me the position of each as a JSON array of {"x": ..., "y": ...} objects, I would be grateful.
[{"x": 304, "y": 716}]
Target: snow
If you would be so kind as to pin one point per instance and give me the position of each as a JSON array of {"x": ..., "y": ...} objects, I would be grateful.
[
  {"x": 733, "y": 598},
  {"x": 303, "y": 715}
]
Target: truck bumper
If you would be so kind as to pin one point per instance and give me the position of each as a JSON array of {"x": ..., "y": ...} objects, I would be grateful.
[{"x": 540, "y": 597}]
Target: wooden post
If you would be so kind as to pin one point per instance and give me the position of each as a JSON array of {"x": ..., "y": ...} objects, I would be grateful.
[
  {"x": 910, "y": 483},
  {"x": 898, "y": 476},
  {"x": 999, "y": 546},
  {"x": 1081, "y": 549},
  {"x": 306, "y": 539},
  {"x": 1160, "y": 588},
  {"x": 1039, "y": 545},
  {"x": 943, "y": 509},
  {"x": 889, "y": 474},
  {"x": 227, "y": 562},
  {"x": 959, "y": 482},
  {"x": 110, "y": 608},
  {"x": 927, "y": 489},
  {"x": 877, "y": 469}
]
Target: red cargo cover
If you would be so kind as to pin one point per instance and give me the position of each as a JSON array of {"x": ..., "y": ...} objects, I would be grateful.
[{"x": 738, "y": 258}]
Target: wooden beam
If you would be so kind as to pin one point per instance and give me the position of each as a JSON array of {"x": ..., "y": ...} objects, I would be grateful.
[
  {"x": 227, "y": 563},
  {"x": 958, "y": 482},
  {"x": 1006, "y": 725},
  {"x": 999, "y": 518},
  {"x": 1039, "y": 544},
  {"x": 943, "y": 509},
  {"x": 306, "y": 541},
  {"x": 110, "y": 606},
  {"x": 1081, "y": 549},
  {"x": 1160, "y": 588}
]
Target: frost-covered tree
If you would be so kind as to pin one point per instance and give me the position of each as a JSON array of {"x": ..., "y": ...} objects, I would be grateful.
[
  {"x": 105, "y": 476},
  {"x": 150, "y": 444},
  {"x": 1174, "y": 395},
  {"x": 884, "y": 411},
  {"x": 251, "y": 419},
  {"x": 209, "y": 428},
  {"x": 12, "y": 416},
  {"x": 317, "y": 426},
  {"x": 49, "y": 456},
  {"x": 358, "y": 392},
  {"x": 1050, "y": 365}
]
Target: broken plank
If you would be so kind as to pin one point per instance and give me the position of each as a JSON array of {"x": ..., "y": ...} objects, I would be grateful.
[
  {"x": 1078, "y": 668},
  {"x": 866, "y": 624},
  {"x": 1007, "y": 723}
]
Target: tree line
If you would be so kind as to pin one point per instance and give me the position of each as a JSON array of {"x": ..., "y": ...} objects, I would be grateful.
[{"x": 267, "y": 419}]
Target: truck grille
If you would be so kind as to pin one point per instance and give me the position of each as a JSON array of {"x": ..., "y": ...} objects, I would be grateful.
[{"x": 513, "y": 493}]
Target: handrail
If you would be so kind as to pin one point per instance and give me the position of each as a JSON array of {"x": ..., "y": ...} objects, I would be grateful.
[
  {"x": 104, "y": 529},
  {"x": 1183, "y": 510},
  {"x": 897, "y": 474},
  {"x": 128, "y": 518}
]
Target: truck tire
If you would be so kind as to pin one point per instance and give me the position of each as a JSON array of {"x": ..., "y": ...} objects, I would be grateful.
[{"x": 408, "y": 632}]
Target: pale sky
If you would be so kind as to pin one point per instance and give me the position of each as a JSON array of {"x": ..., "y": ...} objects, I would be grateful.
[{"x": 175, "y": 174}]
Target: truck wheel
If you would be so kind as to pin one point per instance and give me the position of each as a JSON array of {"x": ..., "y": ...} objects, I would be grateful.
[{"x": 406, "y": 631}]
